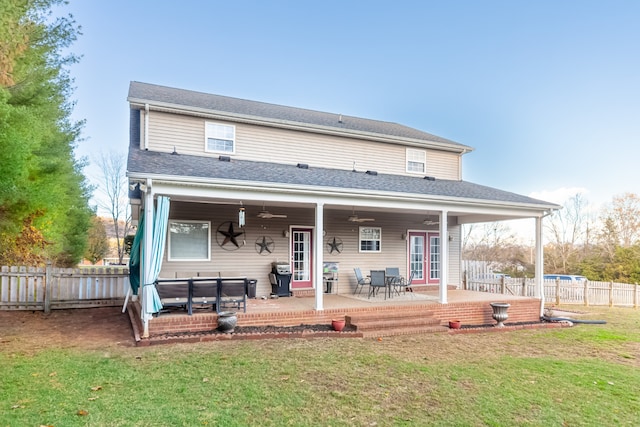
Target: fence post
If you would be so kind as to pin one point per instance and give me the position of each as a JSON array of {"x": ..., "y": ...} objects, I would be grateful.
[
  {"x": 557, "y": 291},
  {"x": 585, "y": 297},
  {"x": 503, "y": 287},
  {"x": 610, "y": 294},
  {"x": 48, "y": 284},
  {"x": 524, "y": 286},
  {"x": 464, "y": 280},
  {"x": 635, "y": 296}
]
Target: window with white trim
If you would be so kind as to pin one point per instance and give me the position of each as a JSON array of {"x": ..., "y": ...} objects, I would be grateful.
[
  {"x": 220, "y": 138},
  {"x": 189, "y": 240},
  {"x": 370, "y": 239},
  {"x": 416, "y": 161}
]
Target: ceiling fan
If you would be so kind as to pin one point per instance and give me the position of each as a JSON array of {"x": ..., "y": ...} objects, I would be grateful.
[
  {"x": 265, "y": 214},
  {"x": 355, "y": 218},
  {"x": 430, "y": 222}
]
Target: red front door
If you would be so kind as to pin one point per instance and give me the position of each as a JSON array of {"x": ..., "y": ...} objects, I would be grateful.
[{"x": 302, "y": 258}]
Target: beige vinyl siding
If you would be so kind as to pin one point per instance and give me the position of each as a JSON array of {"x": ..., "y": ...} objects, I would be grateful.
[
  {"x": 246, "y": 261},
  {"x": 260, "y": 143}
]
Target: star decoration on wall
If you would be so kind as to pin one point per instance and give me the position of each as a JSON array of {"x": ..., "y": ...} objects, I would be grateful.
[
  {"x": 264, "y": 245},
  {"x": 227, "y": 234},
  {"x": 334, "y": 245}
]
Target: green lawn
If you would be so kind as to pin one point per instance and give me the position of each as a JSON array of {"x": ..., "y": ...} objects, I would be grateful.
[{"x": 586, "y": 375}]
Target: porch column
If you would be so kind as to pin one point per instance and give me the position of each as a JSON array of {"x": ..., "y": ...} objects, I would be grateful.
[
  {"x": 146, "y": 253},
  {"x": 319, "y": 256},
  {"x": 444, "y": 256},
  {"x": 539, "y": 282}
]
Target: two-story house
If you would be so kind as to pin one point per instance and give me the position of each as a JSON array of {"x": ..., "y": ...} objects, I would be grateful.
[{"x": 252, "y": 183}]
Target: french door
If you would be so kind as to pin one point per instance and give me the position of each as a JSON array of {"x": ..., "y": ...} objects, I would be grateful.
[
  {"x": 302, "y": 258},
  {"x": 424, "y": 257}
]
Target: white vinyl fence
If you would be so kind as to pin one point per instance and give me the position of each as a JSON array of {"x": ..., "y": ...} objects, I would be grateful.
[
  {"x": 555, "y": 291},
  {"x": 30, "y": 288}
]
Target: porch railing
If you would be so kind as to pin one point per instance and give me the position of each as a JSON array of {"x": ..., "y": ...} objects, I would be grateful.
[
  {"x": 560, "y": 291},
  {"x": 31, "y": 288}
]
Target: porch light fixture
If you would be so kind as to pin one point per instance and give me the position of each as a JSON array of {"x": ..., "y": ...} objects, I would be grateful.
[{"x": 285, "y": 233}]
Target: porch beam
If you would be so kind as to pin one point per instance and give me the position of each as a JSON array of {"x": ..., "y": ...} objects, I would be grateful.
[
  {"x": 539, "y": 269},
  {"x": 146, "y": 252},
  {"x": 319, "y": 256},
  {"x": 444, "y": 257}
]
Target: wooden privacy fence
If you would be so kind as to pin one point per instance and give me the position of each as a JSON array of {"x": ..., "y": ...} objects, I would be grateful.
[
  {"x": 560, "y": 291},
  {"x": 31, "y": 288}
]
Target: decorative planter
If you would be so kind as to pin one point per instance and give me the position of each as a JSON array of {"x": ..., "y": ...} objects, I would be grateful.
[
  {"x": 500, "y": 312},
  {"x": 227, "y": 321},
  {"x": 338, "y": 324},
  {"x": 455, "y": 324}
]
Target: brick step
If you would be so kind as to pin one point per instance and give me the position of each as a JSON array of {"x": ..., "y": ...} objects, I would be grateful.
[{"x": 404, "y": 331}]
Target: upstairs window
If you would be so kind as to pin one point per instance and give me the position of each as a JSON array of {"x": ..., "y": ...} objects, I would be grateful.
[
  {"x": 416, "y": 161},
  {"x": 220, "y": 138},
  {"x": 370, "y": 239}
]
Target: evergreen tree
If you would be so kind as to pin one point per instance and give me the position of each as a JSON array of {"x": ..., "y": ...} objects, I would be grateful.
[{"x": 44, "y": 197}]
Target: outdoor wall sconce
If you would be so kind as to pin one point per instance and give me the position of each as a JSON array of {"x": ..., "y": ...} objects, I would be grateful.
[
  {"x": 285, "y": 233},
  {"x": 450, "y": 238},
  {"x": 403, "y": 236}
]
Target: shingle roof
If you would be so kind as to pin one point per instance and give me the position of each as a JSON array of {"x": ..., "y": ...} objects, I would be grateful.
[
  {"x": 153, "y": 94},
  {"x": 166, "y": 164}
]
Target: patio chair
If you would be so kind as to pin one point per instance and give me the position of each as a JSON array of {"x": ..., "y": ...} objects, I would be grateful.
[
  {"x": 378, "y": 281},
  {"x": 361, "y": 281},
  {"x": 394, "y": 280},
  {"x": 407, "y": 285},
  {"x": 232, "y": 292},
  {"x": 205, "y": 291}
]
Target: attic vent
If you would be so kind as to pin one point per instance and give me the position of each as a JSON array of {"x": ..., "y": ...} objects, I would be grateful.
[
  {"x": 224, "y": 158},
  {"x": 303, "y": 166},
  {"x": 430, "y": 178},
  {"x": 372, "y": 173}
]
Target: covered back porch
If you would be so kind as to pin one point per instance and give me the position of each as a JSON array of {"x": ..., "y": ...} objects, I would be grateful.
[{"x": 419, "y": 313}]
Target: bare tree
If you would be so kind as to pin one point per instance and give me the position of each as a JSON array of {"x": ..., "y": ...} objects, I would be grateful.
[
  {"x": 494, "y": 243},
  {"x": 113, "y": 185},
  {"x": 569, "y": 233},
  {"x": 621, "y": 222}
]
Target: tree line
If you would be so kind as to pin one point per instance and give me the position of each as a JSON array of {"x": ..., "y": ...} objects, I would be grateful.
[
  {"x": 603, "y": 246},
  {"x": 44, "y": 196}
]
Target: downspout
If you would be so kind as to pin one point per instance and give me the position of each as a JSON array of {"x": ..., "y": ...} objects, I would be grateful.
[{"x": 146, "y": 127}]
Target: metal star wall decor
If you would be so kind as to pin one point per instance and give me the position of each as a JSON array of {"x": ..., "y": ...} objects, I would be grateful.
[
  {"x": 334, "y": 244},
  {"x": 228, "y": 238},
  {"x": 265, "y": 245}
]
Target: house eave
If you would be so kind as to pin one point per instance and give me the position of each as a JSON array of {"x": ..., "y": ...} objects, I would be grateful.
[{"x": 341, "y": 196}]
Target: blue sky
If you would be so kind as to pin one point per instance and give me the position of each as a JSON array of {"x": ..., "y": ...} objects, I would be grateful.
[{"x": 547, "y": 92}]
